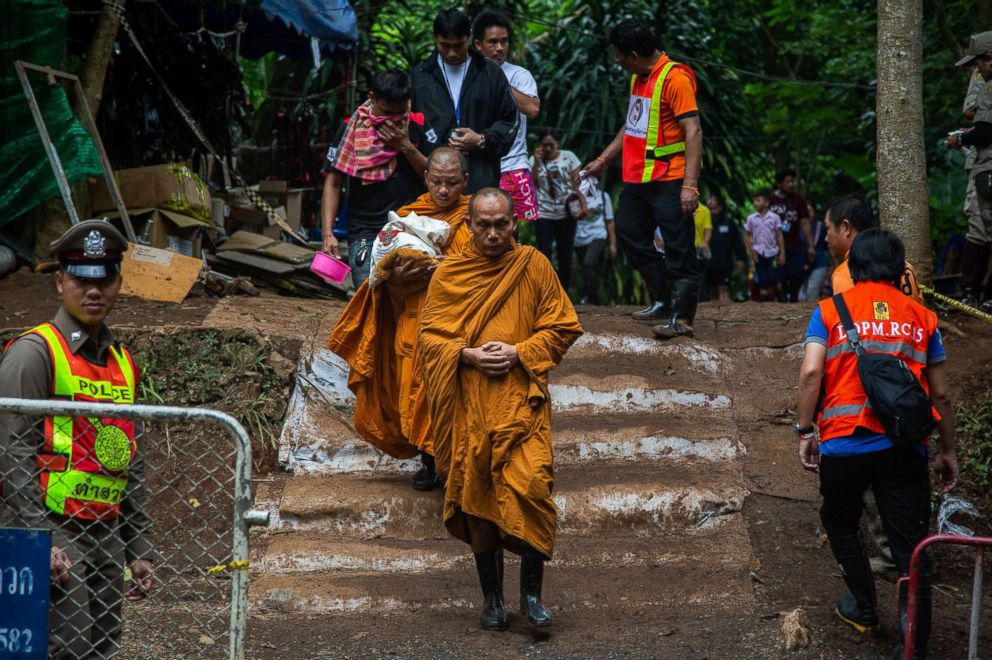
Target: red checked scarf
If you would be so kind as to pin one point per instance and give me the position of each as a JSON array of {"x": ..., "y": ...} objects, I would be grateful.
[{"x": 362, "y": 154}]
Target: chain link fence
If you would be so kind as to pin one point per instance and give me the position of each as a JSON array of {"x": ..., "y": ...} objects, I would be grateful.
[{"x": 177, "y": 496}]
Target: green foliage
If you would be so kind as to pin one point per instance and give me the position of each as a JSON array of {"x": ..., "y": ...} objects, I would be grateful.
[
  {"x": 780, "y": 83},
  {"x": 224, "y": 370},
  {"x": 973, "y": 420}
]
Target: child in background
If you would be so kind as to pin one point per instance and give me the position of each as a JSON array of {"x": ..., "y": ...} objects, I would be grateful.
[{"x": 766, "y": 244}]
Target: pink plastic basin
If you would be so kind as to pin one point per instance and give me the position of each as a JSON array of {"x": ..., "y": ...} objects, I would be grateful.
[{"x": 330, "y": 268}]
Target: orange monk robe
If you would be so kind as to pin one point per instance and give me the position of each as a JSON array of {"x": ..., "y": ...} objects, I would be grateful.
[
  {"x": 376, "y": 336},
  {"x": 492, "y": 436}
]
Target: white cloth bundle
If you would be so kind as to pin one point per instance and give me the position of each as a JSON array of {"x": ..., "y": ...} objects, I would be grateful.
[{"x": 415, "y": 232}]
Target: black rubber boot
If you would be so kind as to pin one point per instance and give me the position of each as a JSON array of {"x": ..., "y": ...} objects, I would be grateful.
[
  {"x": 426, "y": 477},
  {"x": 488, "y": 564},
  {"x": 686, "y": 299},
  {"x": 858, "y": 608},
  {"x": 531, "y": 578},
  {"x": 924, "y": 619},
  {"x": 657, "y": 282}
]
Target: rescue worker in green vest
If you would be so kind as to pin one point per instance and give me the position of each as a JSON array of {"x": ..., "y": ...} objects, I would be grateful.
[
  {"x": 661, "y": 144},
  {"x": 82, "y": 478}
]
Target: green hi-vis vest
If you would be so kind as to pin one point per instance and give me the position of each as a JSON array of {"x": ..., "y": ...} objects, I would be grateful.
[{"x": 84, "y": 461}]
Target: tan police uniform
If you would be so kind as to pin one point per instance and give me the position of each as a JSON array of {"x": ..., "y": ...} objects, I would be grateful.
[
  {"x": 86, "y": 610},
  {"x": 976, "y": 226}
]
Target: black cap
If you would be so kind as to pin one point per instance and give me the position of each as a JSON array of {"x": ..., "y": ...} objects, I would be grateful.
[{"x": 93, "y": 249}]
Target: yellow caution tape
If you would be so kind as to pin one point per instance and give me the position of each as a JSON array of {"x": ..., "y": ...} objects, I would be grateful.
[
  {"x": 234, "y": 565},
  {"x": 957, "y": 304}
]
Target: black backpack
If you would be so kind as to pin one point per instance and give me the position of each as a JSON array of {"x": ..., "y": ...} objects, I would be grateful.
[{"x": 894, "y": 394}]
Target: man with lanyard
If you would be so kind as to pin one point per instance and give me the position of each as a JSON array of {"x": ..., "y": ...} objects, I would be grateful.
[
  {"x": 491, "y": 37},
  {"x": 466, "y": 99},
  {"x": 796, "y": 231},
  {"x": 662, "y": 144},
  {"x": 81, "y": 478},
  {"x": 849, "y": 447},
  {"x": 380, "y": 174},
  {"x": 978, "y": 137}
]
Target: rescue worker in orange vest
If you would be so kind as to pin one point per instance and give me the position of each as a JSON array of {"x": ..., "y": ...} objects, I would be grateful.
[
  {"x": 662, "y": 143},
  {"x": 82, "y": 478},
  {"x": 852, "y": 452},
  {"x": 846, "y": 217}
]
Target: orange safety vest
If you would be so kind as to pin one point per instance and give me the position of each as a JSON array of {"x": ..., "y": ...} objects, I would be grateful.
[
  {"x": 645, "y": 154},
  {"x": 887, "y": 322},
  {"x": 83, "y": 462}
]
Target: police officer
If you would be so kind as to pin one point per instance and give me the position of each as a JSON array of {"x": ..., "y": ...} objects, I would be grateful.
[
  {"x": 980, "y": 138},
  {"x": 852, "y": 452},
  {"x": 82, "y": 478}
]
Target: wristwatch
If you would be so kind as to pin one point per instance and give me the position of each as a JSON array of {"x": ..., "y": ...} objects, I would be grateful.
[
  {"x": 482, "y": 142},
  {"x": 805, "y": 431}
]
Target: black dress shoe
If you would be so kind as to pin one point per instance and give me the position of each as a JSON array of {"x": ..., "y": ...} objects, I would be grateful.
[
  {"x": 426, "y": 477},
  {"x": 654, "y": 311}
]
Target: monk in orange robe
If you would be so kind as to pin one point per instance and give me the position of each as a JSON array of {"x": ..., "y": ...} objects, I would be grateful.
[
  {"x": 496, "y": 321},
  {"x": 376, "y": 334}
]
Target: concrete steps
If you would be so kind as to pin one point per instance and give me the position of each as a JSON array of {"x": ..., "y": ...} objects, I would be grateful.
[
  {"x": 635, "y": 500},
  {"x": 648, "y": 486},
  {"x": 314, "y": 574}
]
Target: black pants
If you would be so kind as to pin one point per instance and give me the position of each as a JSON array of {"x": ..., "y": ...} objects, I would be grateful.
[
  {"x": 562, "y": 234},
  {"x": 591, "y": 259},
  {"x": 644, "y": 206},
  {"x": 901, "y": 483}
]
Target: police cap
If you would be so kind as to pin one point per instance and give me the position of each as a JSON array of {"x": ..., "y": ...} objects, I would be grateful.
[
  {"x": 979, "y": 44},
  {"x": 92, "y": 249}
]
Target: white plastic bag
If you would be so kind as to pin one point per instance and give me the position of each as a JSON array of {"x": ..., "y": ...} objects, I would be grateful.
[
  {"x": 950, "y": 506},
  {"x": 415, "y": 232}
]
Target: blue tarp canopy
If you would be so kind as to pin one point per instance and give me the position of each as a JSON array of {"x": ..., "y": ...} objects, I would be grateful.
[{"x": 283, "y": 26}]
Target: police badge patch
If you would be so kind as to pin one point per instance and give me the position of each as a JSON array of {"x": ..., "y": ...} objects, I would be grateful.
[
  {"x": 431, "y": 136},
  {"x": 94, "y": 245}
]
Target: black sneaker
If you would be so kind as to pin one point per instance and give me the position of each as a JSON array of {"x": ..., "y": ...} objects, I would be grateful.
[{"x": 861, "y": 618}]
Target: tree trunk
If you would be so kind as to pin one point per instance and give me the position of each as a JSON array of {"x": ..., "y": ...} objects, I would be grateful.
[
  {"x": 903, "y": 199},
  {"x": 98, "y": 58}
]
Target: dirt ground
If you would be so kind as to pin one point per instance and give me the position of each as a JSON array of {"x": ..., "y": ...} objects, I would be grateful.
[{"x": 791, "y": 565}]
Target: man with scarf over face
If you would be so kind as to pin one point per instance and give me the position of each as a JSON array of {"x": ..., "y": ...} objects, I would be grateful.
[{"x": 375, "y": 165}]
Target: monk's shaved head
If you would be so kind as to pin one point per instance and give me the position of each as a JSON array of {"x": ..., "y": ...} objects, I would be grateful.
[
  {"x": 487, "y": 196},
  {"x": 449, "y": 157},
  {"x": 491, "y": 221},
  {"x": 446, "y": 176}
]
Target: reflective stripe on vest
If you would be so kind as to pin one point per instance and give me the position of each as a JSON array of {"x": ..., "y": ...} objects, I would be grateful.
[
  {"x": 653, "y": 149},
  {"x": 84, "y": 462},
  {"x": 887, "y": 322}
]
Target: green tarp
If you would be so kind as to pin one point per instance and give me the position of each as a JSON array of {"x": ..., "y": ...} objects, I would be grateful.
[{"x": 34, "y": 31}]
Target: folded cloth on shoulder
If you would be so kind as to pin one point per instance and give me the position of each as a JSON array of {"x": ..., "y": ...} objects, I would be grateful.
[{"x": 410, "y": 237}]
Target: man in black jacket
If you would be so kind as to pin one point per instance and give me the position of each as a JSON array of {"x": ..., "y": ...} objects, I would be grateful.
[{"x": 466, "y": 99}]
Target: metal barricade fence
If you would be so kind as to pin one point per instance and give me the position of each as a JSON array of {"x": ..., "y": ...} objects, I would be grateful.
[{"x": 186, "y": 507}]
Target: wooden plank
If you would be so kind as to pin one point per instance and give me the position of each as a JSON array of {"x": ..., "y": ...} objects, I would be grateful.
[{"x": 155, "y": 274}]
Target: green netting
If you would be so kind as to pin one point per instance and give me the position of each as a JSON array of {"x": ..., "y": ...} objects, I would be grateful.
[{"x": 34, "y": 31}]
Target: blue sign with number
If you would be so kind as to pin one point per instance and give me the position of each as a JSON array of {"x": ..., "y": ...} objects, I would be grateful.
[{"x": 25, "y": 564}]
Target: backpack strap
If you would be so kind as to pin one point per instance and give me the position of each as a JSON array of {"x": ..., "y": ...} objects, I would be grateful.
[{"x": 848, "y": 323}]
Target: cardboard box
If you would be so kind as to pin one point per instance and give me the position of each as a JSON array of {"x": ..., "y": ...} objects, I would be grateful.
[
  {"x": 166, "y": 230},
  {"x": 243, "y": 218},
  {"x": 155, "y": 274},
  {"x": 172, "y": 186},
  {"x": 278, "y": 193}
]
